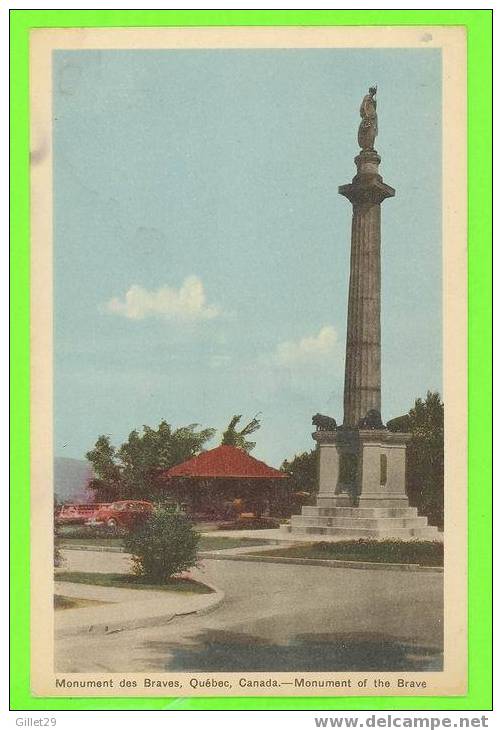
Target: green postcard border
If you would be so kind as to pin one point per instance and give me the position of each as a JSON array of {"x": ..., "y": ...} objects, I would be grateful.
[{"x": 479, "y": 30}]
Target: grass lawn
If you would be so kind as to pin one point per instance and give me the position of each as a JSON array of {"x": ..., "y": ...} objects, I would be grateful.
[
  {"x": 206, "y": 543},
  {"x": 126, "y": 580},
  {"x": 374, "y": 551},
  {"x": 62, "y": 602}
]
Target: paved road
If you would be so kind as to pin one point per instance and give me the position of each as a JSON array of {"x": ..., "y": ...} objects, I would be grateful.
[{"x": 284, "y": 618}]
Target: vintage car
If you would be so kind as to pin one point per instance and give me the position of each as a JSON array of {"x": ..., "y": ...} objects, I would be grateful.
[
  {"x": 125, "y": 513},
  {"x": 77, "y": 514}
]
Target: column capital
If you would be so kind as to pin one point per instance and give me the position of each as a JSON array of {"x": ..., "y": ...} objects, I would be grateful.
[
  {"x": 370, "y": 190},
  {"x": 367, "y": 186}
]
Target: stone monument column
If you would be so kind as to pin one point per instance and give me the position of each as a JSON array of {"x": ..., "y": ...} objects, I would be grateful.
[
  {"x": 362, "y": 464},
  {"x": 366, "y": 192}
]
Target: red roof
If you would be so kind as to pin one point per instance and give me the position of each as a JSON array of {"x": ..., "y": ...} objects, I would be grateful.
[{"x": 224, "y": 461}]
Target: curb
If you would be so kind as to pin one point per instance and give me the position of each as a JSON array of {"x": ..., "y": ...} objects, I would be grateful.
[
  {"x": 220, "y": 555},
  {"x": 112, "y": 627},
  {"x": 93, "y": 549},
  {"x": 356, "y": 564}
]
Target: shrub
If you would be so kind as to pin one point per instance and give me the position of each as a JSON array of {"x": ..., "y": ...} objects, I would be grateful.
[
  {"x": 164, "y": 545},
  {"x": 57, "y": 555},
  {"x": 424, "y": 552}
]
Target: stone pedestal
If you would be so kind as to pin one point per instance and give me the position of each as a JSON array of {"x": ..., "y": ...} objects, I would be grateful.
[
  {"x": 363, "y": 466},
  {"x": 362, "y": 488}
]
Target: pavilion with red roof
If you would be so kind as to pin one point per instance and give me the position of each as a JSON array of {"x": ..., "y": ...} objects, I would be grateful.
[{"x": 214, "y": 480}]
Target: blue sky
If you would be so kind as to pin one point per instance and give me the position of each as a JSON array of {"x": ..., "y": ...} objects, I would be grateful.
[{"x": 201, "y": 251}]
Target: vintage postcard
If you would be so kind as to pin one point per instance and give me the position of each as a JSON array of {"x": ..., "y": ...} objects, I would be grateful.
[{"x": 249, "y": 361}]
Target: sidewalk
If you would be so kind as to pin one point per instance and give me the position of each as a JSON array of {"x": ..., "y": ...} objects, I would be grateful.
[{"x": 124, "y": 608}]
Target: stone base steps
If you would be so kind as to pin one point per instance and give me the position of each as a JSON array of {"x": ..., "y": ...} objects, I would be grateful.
[
  {"x": 378, "y": 523},
  {"x": 357, "y": 512},
  {"x": 354, "y": 533},
  {"x": 364, "y": 503},
  {"x": 398, "y": 522}
]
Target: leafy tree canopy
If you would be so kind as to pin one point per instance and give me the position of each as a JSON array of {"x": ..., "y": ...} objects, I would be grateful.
[
  {"x": 233, "y": 437},
  {"x": 303, "y": 470},
  {"x": 427, "y": 418},
  {"x": 131, "y": 471},
  {"x": 425, "y": 454},
  {"x": 107, "y": 480}
]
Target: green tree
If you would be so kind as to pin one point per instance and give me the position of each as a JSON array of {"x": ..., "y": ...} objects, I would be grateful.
[
  {"x": 107, "y": 480},
  {"x": 163, "y": 545},
  {"x": 233, "y": 437},
  {"x": 425, "y": 455},
  {"x": 303, "y": 485},
  {"x": 303, "y": 471},
  {"x": 131, "y": 471}
]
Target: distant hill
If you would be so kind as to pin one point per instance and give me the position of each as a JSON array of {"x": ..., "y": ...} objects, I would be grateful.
[{"x": 70, "y": 479}]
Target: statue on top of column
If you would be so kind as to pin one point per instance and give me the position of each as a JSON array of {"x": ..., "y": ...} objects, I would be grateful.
[{"x": 368, "y": 129}]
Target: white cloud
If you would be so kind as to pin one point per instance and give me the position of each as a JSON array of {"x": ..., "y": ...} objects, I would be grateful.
[
  {"x": 308, "y": 350},
  {"x": 307, "y": 366},
  {"x": 186, "y": 303}
]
